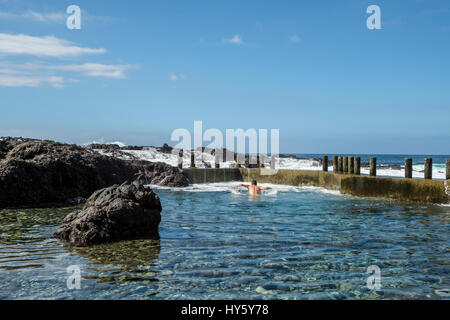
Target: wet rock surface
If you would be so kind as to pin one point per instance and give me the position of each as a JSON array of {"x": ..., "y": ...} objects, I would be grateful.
[
  {"x": 162, "y": 174},
  {"x": 35, "y": 172},
  {"x": 120, "y": 212}
]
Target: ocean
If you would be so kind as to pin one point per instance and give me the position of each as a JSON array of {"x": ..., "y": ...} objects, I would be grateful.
[
  {"x": 215, "y": 243},
  {"x": 387, "y": 165}
]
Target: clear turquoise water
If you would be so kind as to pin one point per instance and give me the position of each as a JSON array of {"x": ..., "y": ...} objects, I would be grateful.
[{"x": 293, "y": 244}]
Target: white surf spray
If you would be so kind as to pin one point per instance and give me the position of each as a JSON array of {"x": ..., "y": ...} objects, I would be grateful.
[
  {"x": 205, "y": 160},
  {"x": 230, "y": 187}
]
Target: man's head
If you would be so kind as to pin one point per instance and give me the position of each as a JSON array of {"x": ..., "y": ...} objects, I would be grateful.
[{"x": 254, "y": 183}]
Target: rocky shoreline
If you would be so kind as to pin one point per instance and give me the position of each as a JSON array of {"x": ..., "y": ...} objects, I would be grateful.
[
  {"x": 41, "y": 172},
  {"x": 37, "y": 172}
]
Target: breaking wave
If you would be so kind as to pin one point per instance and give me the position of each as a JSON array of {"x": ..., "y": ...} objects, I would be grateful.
[{"x": 206, "y": 160}]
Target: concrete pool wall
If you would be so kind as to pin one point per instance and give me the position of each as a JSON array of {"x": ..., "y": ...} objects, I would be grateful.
[{"x": 427, "y": 191}]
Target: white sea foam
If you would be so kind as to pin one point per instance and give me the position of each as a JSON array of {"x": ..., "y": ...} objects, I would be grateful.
[
  {"x": 118, "y": 143},
  {"x": 228, "y": 187},
  {"x": 207, "y": 160},
  {"x": 438, "y": 172},
  {"x": 102, "y": 141}
]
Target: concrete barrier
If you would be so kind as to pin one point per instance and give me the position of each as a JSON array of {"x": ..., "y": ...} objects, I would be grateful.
[
  {"x": 295, "y": 178},
  {"x": 237, "y": 159},
  {"x": 272, "y": 162},
  {"x": 180, "y": 159},
  {"x": 426, "y": 191},
  {"x": 192, "y": 159},
  {"x": 447, "y": 174},
  {"x": 351, "y": 165},
  {"x": 429, "y": 191},
  {"x": 408, "y": 168},
  {"x": 218, "y": 157},
  {"x": 357, "y": 165},
  {"x": 340, "y": 164},
  {"x": 325, "y": 163},
  {"x": 373, "y": 167},
  {"x": 213, "y": 175},
  {"x": 261, "y": 161},
  {"x": 428, "y": 168}
]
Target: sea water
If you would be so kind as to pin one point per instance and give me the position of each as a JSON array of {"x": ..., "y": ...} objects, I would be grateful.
[
  {"x": 216, "y": 243},
  {"x": 387, "y": 165}
]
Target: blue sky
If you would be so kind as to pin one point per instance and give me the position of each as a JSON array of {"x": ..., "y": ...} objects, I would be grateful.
[{"x": 137, "y": 70}]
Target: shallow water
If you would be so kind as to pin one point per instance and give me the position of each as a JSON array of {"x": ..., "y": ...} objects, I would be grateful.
[{"x": 291, "y": 243}]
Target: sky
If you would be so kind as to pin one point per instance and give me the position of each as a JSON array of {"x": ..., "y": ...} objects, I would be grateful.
[{"x": 138, "y": 70}]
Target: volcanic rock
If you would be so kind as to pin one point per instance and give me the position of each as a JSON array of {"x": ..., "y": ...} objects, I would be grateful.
[{"x": 120, "y": 212}]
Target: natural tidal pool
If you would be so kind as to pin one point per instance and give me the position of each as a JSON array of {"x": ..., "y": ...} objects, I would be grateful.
[{"x": 289, "y": 243}]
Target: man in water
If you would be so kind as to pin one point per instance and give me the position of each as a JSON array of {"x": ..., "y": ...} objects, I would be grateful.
[{"x": 253, "y": 189}]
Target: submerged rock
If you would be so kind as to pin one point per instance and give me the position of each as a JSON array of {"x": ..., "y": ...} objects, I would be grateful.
[
  {"x": 36, "y": 172},
  {"x": 120, "y": 212}
]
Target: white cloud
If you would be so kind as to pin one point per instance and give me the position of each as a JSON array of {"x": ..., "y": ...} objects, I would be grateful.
[
  {"x": 237, "y": 39},
  {"x": 51, "y": 17},
  {"x": 7, "y": 80},
  {"x": 175, "y": 77},
  {"x": 96, "y": 69},
  {"x": 44, "y": 17},
  {"x": 47, "y": 46},
  {"x": 33, "y": 15},
  {"x": 10, "y": 71},
  {"x": 37, "y": 74},
  {"x": 294, "y": 38}
]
